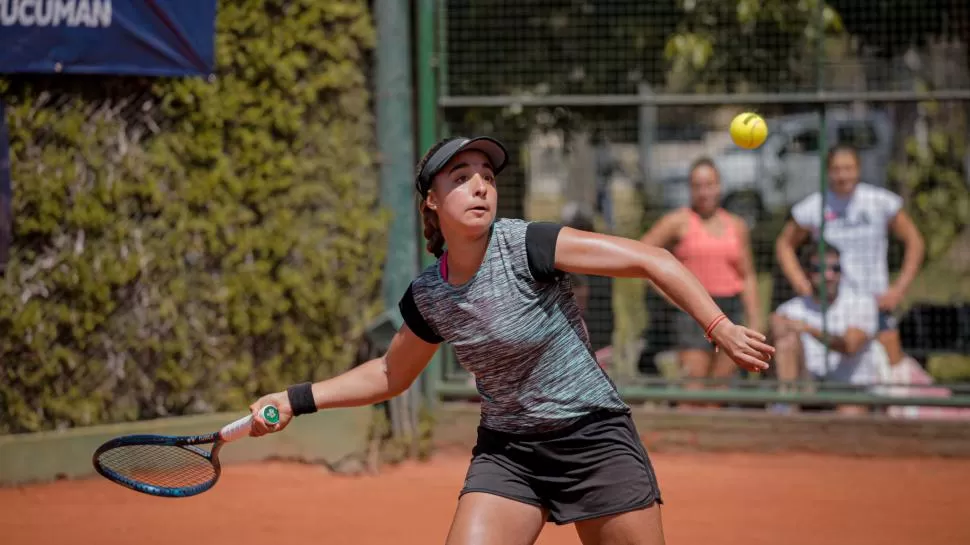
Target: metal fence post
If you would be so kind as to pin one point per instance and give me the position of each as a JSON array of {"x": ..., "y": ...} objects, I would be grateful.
[
  {"x": 823, "y": 171},
  {"x": 427, "y": 135},
  {"x": 396, "y": 145}
]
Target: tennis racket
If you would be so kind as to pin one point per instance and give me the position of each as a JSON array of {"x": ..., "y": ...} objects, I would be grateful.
[{"x": 171, "y": 466}]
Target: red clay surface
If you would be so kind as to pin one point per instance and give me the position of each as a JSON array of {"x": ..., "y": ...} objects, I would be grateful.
[{"x": 710, "y": 499}]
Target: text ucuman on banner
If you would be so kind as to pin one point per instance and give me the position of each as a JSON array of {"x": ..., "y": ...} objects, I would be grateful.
[{"x": 133, "y": 37}]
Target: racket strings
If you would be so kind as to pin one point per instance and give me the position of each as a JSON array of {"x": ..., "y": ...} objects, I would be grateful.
[{"x": 164, "y": 466}]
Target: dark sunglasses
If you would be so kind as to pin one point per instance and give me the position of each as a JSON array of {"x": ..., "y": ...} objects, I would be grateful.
[{"x": 816, "y": 268}]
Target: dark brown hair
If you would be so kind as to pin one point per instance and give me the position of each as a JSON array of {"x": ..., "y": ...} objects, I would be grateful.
[
  {"x": 432, "y": 229},
  {"x": 842, "y": 148},
  {"x": 703, "y": 161},
  {"x": 810, "y": 252}
]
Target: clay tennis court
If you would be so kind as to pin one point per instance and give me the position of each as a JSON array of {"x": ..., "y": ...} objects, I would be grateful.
[{"x": 711, "y": 499}]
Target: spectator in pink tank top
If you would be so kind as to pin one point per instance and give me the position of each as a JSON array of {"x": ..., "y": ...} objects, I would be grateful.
[{"x": 714, "y": 245}]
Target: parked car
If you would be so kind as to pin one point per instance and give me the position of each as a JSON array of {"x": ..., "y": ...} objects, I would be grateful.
[{"x": 787, "y": 167}]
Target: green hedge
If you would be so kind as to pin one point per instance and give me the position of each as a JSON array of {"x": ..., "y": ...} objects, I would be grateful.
[{"x": 201, "y": 242}]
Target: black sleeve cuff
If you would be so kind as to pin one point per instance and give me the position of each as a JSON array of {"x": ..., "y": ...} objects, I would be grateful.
[
  {"x": 540, "y": 248},
  {"x": 415, "y": 321}
]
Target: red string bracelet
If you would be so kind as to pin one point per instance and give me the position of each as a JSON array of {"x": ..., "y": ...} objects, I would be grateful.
[{"x": 710, "y": 329}]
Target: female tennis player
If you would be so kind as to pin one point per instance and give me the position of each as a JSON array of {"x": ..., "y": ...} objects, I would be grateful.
[{"x": 555, "y": 442}]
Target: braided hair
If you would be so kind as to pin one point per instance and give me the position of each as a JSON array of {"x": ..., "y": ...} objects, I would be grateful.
[{"x": 432, "y": 228}]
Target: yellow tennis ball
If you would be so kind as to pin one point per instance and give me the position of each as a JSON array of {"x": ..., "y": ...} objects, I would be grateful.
[{"x": 748, "y": 130}]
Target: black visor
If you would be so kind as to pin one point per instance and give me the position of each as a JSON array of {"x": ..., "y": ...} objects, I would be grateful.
[{"x": 491, "y": 147}]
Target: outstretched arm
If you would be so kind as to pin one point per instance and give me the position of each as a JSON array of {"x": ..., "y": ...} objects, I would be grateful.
[
  {"x": 903, "y": 227},
  {"x": 370, "y": 382},
  {"x": 665, "y": 231},
  {"x": 605, "y": 255},
  {"x": 791, "y": 237}
]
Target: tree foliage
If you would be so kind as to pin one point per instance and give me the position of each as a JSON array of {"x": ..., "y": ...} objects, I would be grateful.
[
  {"x": 747, "y": 45},
  {"x": 890, "y": 27},
  {"x": 773, "y": 45},
  {"x": 556, "y": 46},
  {"x": 936, "y": 179},
  {"x": 218, "y": 241}
]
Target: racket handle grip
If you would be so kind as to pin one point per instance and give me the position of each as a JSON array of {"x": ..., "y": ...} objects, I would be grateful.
[{"x": 240, "y": 428}]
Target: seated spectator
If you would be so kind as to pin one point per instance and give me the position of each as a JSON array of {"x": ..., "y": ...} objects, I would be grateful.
[
  {"x": 851, "y": 320},
  {"x": 859, "y": 218}
]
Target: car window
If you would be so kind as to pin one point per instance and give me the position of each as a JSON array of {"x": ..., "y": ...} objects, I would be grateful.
[
  {"x": 859, "y": 135},
  {"x": 803, "y": 142}
]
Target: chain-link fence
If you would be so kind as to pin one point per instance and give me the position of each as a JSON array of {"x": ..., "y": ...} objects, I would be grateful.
[{"x": 607, "y": 105}]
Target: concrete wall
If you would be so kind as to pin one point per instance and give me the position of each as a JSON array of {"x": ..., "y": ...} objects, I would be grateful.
[
  {"x": 327, "y": 437},
  {"x": 726, "y": 431},
  {"x": 340, "y": 437}
]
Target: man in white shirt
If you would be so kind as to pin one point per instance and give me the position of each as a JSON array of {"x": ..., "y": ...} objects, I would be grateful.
[
  {"x": 858, "y": 218},
  {"x": 851, "y": 321}
]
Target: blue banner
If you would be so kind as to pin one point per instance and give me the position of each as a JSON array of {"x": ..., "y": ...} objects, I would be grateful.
[{"x": 129, "y": 37}]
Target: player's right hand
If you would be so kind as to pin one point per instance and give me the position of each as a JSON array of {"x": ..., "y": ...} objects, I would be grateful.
[
  {"x": 745, "y": 346},
  {"x": 282, "y": 402}
]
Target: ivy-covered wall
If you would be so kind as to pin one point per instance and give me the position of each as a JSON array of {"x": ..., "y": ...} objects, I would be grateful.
[{"x": 183, "y": 245}]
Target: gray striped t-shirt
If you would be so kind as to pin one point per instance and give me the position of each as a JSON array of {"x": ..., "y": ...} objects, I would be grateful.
[{"x": 517, "y": 328}]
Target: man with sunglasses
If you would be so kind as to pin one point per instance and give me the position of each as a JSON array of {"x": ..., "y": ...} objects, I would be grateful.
[{"x": 851, "y": 320}]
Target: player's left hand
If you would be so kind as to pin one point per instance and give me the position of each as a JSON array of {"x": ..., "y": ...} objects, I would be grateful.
[
  {"x": 745, "y": 346},
  {"x": 282, "y": 402}
]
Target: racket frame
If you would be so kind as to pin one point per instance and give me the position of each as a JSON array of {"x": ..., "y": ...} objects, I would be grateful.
[{"x": 189, "y": 443}]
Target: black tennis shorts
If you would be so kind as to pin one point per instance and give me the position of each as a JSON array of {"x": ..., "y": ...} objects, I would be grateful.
[{"x": 592, "y": 468}]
